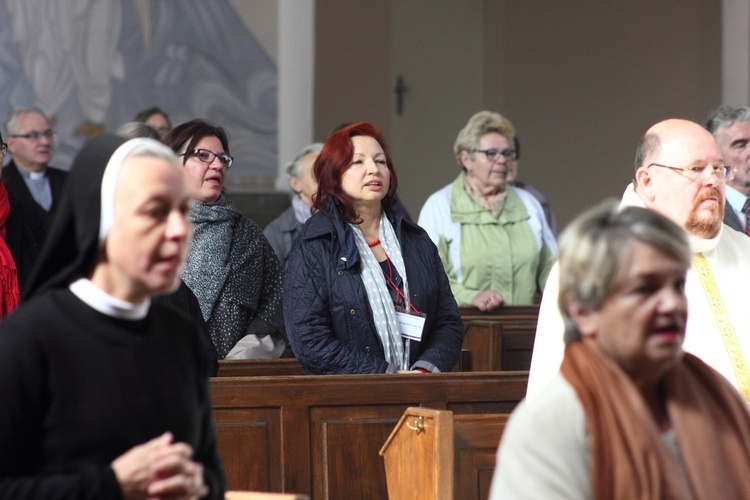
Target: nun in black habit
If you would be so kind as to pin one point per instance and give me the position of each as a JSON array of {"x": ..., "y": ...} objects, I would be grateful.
[{"x": 103, "y": 393}]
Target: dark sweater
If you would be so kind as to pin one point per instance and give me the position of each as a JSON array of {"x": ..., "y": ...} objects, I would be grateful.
[{"x": 79, "y": 388}]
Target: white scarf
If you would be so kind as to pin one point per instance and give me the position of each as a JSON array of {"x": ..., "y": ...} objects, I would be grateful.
[{"x": 383, "y": 310}]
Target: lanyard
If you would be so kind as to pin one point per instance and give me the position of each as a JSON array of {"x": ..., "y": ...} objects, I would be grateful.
[{"x": 399, "y": 293}]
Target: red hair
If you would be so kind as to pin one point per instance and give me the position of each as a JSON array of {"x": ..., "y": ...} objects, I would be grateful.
[{"x": 335, "y": 158}]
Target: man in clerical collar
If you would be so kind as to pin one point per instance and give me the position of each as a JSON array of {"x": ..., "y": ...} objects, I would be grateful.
[
  {"x": 730, "y": 125},
  {"x": 28, "y": 177},
  {"x": 680, "y": 172}
]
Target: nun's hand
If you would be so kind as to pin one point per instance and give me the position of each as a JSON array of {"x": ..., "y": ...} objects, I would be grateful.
[
  {"x": 178, "y": 477},
  {"x": 159, "y": 468}
]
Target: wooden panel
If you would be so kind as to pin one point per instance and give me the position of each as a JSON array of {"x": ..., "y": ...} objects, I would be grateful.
[
  {"x": 508, "y": 314},
  {"x": 476, "y": 440},
  {"x": 474, "y": 474},
  {"x": 248, "y": 444},
  {"x": 352, "y": 390},
  {"x": 484, "y": 340},
  {"x": 501, "y": 340},
  {"x": 295, "y": 446},
  {"x": 320, "y": 435},
  {"x": 259, "y": 367},
  {"x": 333, "y": 432},
  {"x": 255, "y": 495}
]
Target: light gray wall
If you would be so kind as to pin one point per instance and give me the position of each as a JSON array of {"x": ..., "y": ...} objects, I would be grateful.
[{"x": 581, "y": 79}]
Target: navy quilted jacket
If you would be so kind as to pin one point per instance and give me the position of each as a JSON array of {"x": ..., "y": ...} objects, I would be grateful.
[{"x": 328, "y": 317}]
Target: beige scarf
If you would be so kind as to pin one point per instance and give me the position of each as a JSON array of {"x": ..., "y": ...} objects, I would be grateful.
[
  {"x": 629, "y": 459},
  {"x": 493, "y": 204}
]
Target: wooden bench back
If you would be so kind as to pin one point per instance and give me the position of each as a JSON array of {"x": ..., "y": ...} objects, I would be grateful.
[{"x": 320, "y": 435}]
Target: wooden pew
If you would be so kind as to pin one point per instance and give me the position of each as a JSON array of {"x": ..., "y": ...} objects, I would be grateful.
[
  {"x": 497, "y": 341},
  {"x": 501, "y": 340},
  {"x": 259, "y": 367},
  {"x": 321, "y": 435}
]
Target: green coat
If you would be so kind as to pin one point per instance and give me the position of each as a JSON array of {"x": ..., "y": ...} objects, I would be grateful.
[{"x": 512, "y": 254}]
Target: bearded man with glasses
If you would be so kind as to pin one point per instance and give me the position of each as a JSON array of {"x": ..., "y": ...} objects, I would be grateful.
[
  {"x": 680, "y": 172},
  {"x": 28, "y": 176}
]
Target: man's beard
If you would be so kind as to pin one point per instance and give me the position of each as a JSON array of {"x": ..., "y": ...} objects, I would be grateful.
[{"x": 706, "y": 228}]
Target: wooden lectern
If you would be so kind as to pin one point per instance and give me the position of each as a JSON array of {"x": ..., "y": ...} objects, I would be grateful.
[
  {"x": 419, "y": 456},
  {"x": 434, "y": 454}
]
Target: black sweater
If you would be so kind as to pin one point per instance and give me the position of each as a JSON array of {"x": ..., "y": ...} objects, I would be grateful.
[{"x": 79, "y": 388}]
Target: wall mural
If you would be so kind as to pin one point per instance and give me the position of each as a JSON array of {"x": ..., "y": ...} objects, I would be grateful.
[{"x": 92, "y": 64}]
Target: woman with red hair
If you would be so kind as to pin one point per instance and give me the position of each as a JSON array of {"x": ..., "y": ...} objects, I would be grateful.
[{"x": 365, "y": 291}]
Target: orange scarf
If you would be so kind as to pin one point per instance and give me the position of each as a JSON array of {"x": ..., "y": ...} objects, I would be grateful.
[
  {"x": 629, "y": 459},
  {"x": 8, "y": 273}
]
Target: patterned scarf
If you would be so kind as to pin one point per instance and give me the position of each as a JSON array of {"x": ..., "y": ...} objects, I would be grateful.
[
  {"x": 493, "y": 204},
  {"x": 8, "y": 271},
  {"x": 209, "y": 261},
  {"x": 381, "y": 304}
]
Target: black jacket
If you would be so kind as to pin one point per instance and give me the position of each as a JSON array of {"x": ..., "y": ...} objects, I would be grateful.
[
  {"x": 328, "y": 316},
  {"x": 17, "y": 188},
  {"x": 731, "y": 220},
  {"x": 24, "y": 231}
]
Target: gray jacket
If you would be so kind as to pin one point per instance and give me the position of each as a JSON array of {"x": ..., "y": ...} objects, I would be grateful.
[{"x": 281, "y": 233}]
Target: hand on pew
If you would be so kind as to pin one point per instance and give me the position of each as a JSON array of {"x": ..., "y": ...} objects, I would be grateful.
[{"x": 488, "y": 300}]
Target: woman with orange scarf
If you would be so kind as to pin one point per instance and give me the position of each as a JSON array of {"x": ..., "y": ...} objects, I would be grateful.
[{"x": 629, "y": 415}]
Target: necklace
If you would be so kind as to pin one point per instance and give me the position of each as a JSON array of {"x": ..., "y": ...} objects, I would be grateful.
[{"x": 374, "y": 242}]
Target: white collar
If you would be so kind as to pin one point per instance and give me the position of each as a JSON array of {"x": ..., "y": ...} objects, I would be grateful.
[{"x": 101, "y": 301}]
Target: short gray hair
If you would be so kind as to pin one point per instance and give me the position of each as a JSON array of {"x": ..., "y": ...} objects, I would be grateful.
[
  {"x": 132, "y": 130},
  {"x": 11, "y": 122},
  {"x": 648, "y": 147},
  {"x": 294, "y": 167},
  {"x": 726, "y": 116},
  {"x": 482, "y": 123},
  {"x": 595, "y": 249}
]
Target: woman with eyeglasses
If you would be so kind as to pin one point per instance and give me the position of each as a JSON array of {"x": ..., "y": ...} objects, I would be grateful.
[
  {"x": 493, "y": 239},
  {"x": 230, "y": 267}
]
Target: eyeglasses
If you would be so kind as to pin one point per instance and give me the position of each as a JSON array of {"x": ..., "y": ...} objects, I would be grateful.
[
  {"x": 694, "y": 173},
  {"x": 3, "y": 149},
  {"x": 494, "y": 154},
  {"x": 35, "y": 135},
  {"x": 208, "y": 157}
]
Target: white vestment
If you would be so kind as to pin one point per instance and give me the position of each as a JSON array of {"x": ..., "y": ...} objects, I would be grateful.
[
  {"x": 544, "y": 451},
  {"x": 728, "y": 255}
]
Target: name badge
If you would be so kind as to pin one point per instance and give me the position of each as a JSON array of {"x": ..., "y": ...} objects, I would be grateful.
[{"x": 410, "y": 325}]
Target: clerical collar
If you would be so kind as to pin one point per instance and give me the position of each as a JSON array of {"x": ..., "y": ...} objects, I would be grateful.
[
  {"x": 103, "y": 302},
  {"x": 704, "y": 245},
  {"x": 34, "y": 176}
]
